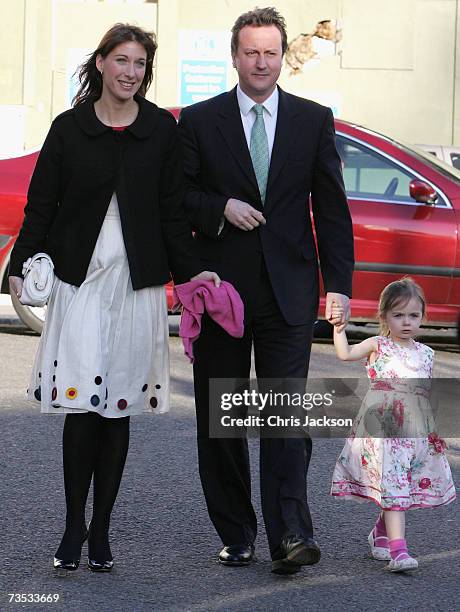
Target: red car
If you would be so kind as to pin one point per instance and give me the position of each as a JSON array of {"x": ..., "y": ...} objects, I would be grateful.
[{"x": 405, "y": 206}]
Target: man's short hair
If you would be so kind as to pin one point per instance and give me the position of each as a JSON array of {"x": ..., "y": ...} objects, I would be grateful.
[{"x": 259, "y": 17}]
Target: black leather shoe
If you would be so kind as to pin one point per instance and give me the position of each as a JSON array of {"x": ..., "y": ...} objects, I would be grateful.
[
  {"x": 237, "y": 554},
  {"x": 295, "y": 551},
  {"x": 71, "y": 564},
  {"x": 99, "y": 555},
  {"x": 105, "y": 566},
  {"x": 68, "y": 565}
]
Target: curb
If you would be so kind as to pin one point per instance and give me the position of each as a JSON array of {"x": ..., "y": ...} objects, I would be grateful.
[{"x": 11, "y": 322}]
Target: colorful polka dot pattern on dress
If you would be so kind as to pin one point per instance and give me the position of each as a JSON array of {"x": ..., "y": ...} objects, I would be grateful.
[
  {"x": 82, "y": 353},
  {"x": 122, "y": 404},
  {"x": 71, "y": 393}
]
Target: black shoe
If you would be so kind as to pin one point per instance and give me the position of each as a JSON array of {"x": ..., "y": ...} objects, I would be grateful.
[
  {"x": 71, "y": 563},
  {"x": 237, "y": 554},
  {"x": 104, "y": 566},
  {"x": 295, "y": 551},
  {"x": 99, "y": 554}
]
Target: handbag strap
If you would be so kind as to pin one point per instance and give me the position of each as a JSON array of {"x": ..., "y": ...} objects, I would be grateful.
[{"x": 30, "y": 262}]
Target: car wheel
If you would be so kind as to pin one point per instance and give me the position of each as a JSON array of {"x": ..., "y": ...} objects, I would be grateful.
[
  {"x": 322, "y": 329},
  {"x": 32, "y": 316}
]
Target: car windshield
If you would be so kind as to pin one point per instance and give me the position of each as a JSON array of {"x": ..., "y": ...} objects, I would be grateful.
[{"x": 425, "y": 156}]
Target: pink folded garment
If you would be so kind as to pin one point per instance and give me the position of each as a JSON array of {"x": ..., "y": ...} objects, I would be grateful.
[{"x": 223, "y": 304}]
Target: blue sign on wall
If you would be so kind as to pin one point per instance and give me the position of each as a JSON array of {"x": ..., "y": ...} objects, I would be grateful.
[{"x": 201, "y": 79}]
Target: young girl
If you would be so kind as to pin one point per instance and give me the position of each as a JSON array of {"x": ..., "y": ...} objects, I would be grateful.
[{"x": 393, "y": 456}]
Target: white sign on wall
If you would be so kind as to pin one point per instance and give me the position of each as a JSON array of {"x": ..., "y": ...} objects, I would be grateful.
[
  {"x": 12, "y": 127},
  {"x": 327, "y": 98},
  {"x": 75, "y": 57},
  {"x": 204, "y": 64}
]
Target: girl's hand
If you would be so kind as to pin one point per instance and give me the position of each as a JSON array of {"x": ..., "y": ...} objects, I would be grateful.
[
  {"x": 343, "y": 302},
  {"x": 16, "y": 283},
  {"x": 336, "y": 314},
  {"x": 208, "y": 276}
]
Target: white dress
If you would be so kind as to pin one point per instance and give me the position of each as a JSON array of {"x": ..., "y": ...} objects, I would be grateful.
[{"x": 104, "y": 346}]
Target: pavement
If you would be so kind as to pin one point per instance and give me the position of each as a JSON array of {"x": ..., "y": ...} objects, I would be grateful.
[
  {"x": 8, "y": 315},
  {"x": 164, "y": 545}
]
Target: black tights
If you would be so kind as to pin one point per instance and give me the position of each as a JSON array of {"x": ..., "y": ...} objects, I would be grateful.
[{"x": 92, "y": 446}]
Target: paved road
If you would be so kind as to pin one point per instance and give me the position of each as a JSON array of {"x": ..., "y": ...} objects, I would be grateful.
[{"x": 163, "y": 544}]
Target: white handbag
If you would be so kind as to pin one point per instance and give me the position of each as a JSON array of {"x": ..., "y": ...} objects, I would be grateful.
[{"x": 38, "y": 280}]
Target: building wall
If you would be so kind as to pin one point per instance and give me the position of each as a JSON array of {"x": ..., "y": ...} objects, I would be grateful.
[
  {"x": 396, "y": 69},
  {"x": 43, "y": 43}
]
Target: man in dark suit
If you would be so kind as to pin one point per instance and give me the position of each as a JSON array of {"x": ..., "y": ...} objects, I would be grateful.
[{"x": 252, "y": 158}]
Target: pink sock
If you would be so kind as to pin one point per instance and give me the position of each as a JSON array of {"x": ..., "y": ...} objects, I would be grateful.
[
  {"x": 380, "y": 531},
  {"x": 398, "y": 549}
]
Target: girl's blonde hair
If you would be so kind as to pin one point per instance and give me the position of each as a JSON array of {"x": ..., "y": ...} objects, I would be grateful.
[{"x": 398, "y": 293}]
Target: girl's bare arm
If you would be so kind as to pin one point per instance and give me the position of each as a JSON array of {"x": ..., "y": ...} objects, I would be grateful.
[{"x": 345, "y": 352}]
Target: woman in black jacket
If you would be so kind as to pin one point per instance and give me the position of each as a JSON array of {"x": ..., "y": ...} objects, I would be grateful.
[{"x": 105, "y": 202}]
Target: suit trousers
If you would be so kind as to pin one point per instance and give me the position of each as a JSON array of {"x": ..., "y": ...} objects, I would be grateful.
[{"x": 280, "y": 351}]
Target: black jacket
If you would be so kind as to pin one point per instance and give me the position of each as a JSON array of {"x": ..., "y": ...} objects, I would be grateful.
[
  {"x": 304, "y": 163},
  {"x": 81, "y": 164}
]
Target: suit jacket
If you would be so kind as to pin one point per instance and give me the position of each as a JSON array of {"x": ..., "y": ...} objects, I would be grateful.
[
  {"x": 81, "y": 164},
  {"x": 304, "y": 162}
]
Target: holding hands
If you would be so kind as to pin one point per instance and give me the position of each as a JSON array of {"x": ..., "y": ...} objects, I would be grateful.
[
  {"x": 336, "y": 314},
  {"x": 337, "y": 310}
]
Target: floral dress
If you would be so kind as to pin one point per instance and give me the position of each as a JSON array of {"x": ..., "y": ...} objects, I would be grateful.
[{"x": 393, "y": 456}]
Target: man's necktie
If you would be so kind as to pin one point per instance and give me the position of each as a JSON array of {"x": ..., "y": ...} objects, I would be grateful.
[{"x": 259, "y": 150}]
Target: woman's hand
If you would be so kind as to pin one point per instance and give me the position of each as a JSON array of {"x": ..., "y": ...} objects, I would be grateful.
[
  {"x": 208, "y": 276},
  {"x": 16, "y": 283}
]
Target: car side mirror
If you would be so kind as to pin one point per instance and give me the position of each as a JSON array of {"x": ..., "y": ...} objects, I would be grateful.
[{"x": 422, "y": 192}]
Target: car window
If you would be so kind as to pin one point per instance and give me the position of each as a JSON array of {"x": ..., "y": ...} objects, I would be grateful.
[
  {"x": 455, "y": 157},
  {"x": 370, "y": 175}
]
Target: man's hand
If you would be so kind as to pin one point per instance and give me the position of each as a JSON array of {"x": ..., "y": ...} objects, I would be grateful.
[
  {"x": 337, "y": 310},
  {"x": 242, "y": 215},
  {"x": 208, "y": 276},
  {"x": 336, "y": 314},
  {"x": 16, "y": 283}
]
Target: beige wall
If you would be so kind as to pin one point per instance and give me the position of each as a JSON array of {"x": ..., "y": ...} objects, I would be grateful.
[
  {"x": 397, "y": 69},
  {"x": 38, "y": 42}
]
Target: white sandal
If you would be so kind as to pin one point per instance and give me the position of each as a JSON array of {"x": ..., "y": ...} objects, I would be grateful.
[
  {"x": 378, "y": 552},
  {"x": 402, "y": 565}
]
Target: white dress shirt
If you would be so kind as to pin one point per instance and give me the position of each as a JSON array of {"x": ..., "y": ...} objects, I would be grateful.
[{"x": 248, "y": 116}]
